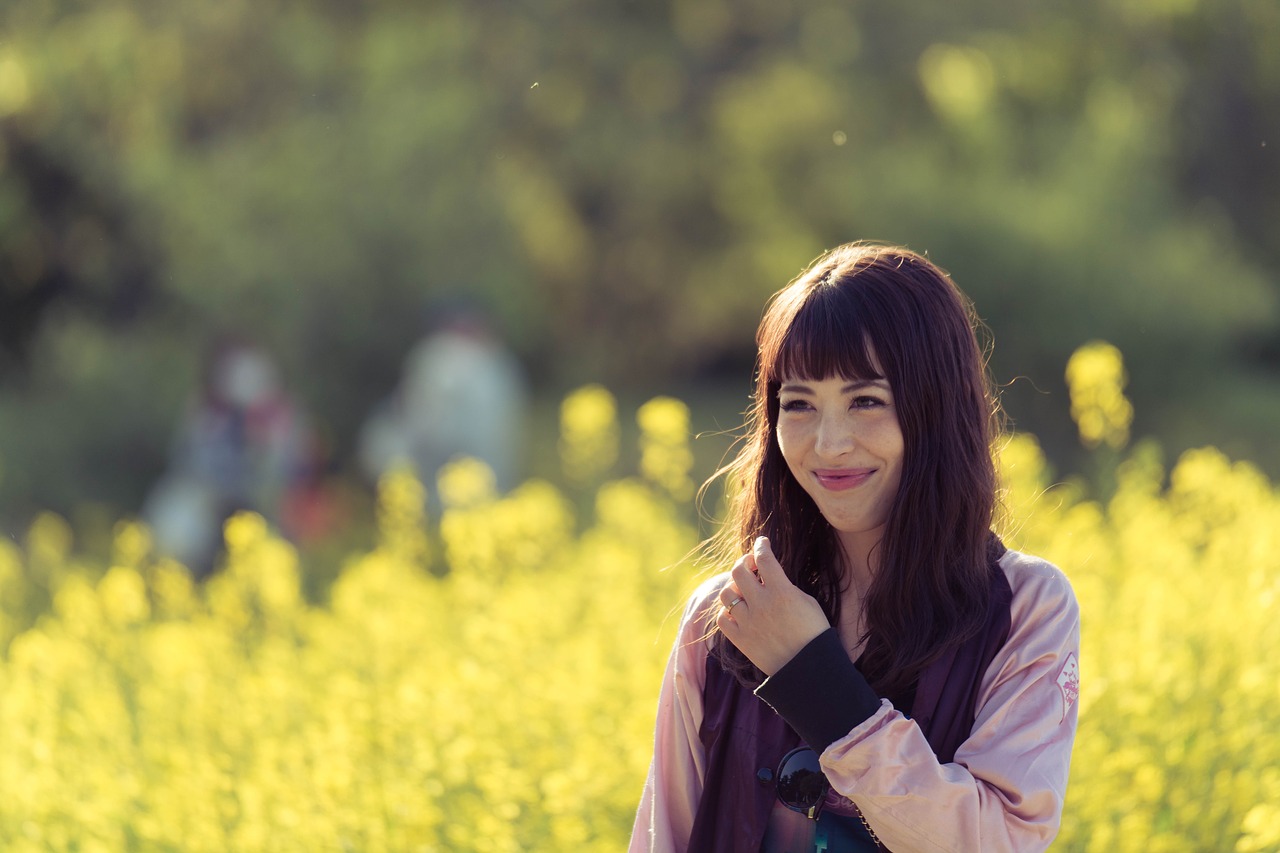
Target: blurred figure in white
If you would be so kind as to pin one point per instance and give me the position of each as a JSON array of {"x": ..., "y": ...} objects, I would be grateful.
[
  {"x": 461, "y": 393},
  {"x": 241, "y": 445}
]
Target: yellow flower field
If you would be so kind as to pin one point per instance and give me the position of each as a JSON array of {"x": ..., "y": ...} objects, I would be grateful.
[{"x": 506, "y": 704}]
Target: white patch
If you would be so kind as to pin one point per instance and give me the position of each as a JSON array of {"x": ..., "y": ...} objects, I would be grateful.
[{"x": 1069, "y": 683}]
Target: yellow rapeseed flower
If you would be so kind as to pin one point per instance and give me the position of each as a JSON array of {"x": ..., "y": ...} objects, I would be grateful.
[
  {"x": 508, "y": 704},
  {"x": 402, "y": 515},
  {"x": 171, "y": 585},
  {"x": 466, "y": 481},
  {"x": 588, "y": 434},
  {"x": 1096, "y": 378},
  {"x": 14, "y": 590},
  {"x": 665, "y": 457},
  {"x": 131, "y": 543},
  {"x": 244, "y": 531},
  {"x": 49, "y": 543},
  {"x": 124, "y": 596},
  {"x": 1261, "y": 828}
]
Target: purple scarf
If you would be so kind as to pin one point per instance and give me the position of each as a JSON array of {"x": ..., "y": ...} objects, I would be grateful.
[{"x": 745, "y": 739}]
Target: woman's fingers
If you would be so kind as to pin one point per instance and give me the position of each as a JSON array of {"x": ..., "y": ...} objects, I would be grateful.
[
  {"x": 729, "y": 596},
  {"x": 758, "y": 571},
  {"x": 764, "y": 614},
  {"x": 745, "y": 580},
  {"x": 730, "y": 602},
  {"x": 766, "y": 564}
]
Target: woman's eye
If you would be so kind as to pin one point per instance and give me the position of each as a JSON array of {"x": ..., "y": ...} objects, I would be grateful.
[
  {"x": 867, "y": 402},
  {"x": 793, "y": 405}
]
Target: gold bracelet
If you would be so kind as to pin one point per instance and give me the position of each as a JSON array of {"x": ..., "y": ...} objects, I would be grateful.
[{"x": 867, "y": 827}]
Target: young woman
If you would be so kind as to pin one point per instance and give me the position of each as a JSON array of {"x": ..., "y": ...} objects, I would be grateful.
[{"x": 876, "y": 671}]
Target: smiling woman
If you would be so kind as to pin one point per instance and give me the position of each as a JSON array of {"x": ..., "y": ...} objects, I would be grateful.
[
  {"x": 843, "y": 445},
  {"x": 908, "y": 682}
]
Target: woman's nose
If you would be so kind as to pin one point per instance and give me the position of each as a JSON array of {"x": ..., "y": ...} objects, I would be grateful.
[{"x": 835, "y": 438}]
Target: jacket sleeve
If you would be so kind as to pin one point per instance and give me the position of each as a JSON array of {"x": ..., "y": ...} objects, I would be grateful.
[
  {"x": 664, "y": 819},
  {"x": 1005, "y": 789}
]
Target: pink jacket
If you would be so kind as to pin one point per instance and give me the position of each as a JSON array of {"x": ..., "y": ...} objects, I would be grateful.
[{"x": 1005, "y": 790}]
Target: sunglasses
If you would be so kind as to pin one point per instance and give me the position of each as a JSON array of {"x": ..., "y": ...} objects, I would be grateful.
[{"x": 802, "y": 787}]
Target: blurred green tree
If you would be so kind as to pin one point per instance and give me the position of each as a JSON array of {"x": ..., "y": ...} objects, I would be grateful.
[{"x": 624, "y": 185}]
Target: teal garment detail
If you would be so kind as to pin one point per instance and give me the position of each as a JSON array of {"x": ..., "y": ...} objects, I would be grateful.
[
  {"x": 842, "y": 834},
  {"x": 792, "y": 832}
]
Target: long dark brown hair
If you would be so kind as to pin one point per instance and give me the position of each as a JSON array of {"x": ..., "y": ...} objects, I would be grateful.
[{"x": 932, "y": 585}]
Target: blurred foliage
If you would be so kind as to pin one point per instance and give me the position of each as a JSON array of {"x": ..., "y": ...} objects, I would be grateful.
[
  {"x": 506, "y": 703},
  {"x": 623, "y": 184}
]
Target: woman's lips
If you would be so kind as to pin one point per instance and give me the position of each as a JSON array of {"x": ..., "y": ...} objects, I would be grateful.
[{"x": 837, "y": 480}]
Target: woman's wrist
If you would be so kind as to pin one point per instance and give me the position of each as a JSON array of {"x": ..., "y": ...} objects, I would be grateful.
[{"x": 820, "y": 693}]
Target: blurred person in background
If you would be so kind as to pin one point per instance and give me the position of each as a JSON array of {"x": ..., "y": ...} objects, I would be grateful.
[
  {"x": 877, "y": 670},
  {"x": 461, "y": 393},
  {"x": 241, "y": 444}
]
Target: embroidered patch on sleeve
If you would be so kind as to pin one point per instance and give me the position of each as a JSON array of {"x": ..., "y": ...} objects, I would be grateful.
[{"x": 1069, "y": 683}]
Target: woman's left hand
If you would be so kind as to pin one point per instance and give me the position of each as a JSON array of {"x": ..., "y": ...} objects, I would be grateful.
[{"x": 772, "y": 619}]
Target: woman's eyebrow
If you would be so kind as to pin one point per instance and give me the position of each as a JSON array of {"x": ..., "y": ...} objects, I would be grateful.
[
  {"x": 794, "y": 388},
  {"x": 800, "y": 388},
  {"x": 865, "y": 383}
]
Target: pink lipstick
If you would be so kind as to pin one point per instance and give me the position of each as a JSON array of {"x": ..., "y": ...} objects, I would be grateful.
[{"x": 839, "y": 479}]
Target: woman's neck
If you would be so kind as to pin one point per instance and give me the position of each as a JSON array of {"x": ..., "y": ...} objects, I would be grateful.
[
  {"x": 861, "y": 559},
  {"x": 861, "y": 553}
]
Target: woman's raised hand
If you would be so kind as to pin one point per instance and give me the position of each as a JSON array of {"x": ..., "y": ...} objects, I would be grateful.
[{"x": 764, "y": 614}]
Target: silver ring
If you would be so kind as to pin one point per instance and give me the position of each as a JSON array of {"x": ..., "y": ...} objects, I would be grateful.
[{"x": 733, "y": 604}]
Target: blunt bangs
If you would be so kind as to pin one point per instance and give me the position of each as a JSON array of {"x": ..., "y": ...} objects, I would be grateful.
[{"x": 826, "y": 338}]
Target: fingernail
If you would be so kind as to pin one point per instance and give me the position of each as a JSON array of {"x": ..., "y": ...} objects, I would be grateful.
[{"x": 761, "y": 545}]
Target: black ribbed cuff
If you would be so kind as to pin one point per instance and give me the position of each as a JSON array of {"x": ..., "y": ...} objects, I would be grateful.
[{"x": 820, "y": 693}]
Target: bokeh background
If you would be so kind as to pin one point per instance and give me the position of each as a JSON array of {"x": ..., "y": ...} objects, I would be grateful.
[
  {"x": 621, "y": 185},
  {"x": 616, "y": 189}
]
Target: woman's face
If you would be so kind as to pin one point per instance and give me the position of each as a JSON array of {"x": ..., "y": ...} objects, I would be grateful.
[{"x": 842, "y": 441}]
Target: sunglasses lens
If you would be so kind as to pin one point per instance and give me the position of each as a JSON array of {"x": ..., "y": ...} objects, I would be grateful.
[{"x": 801, "y": 785}]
